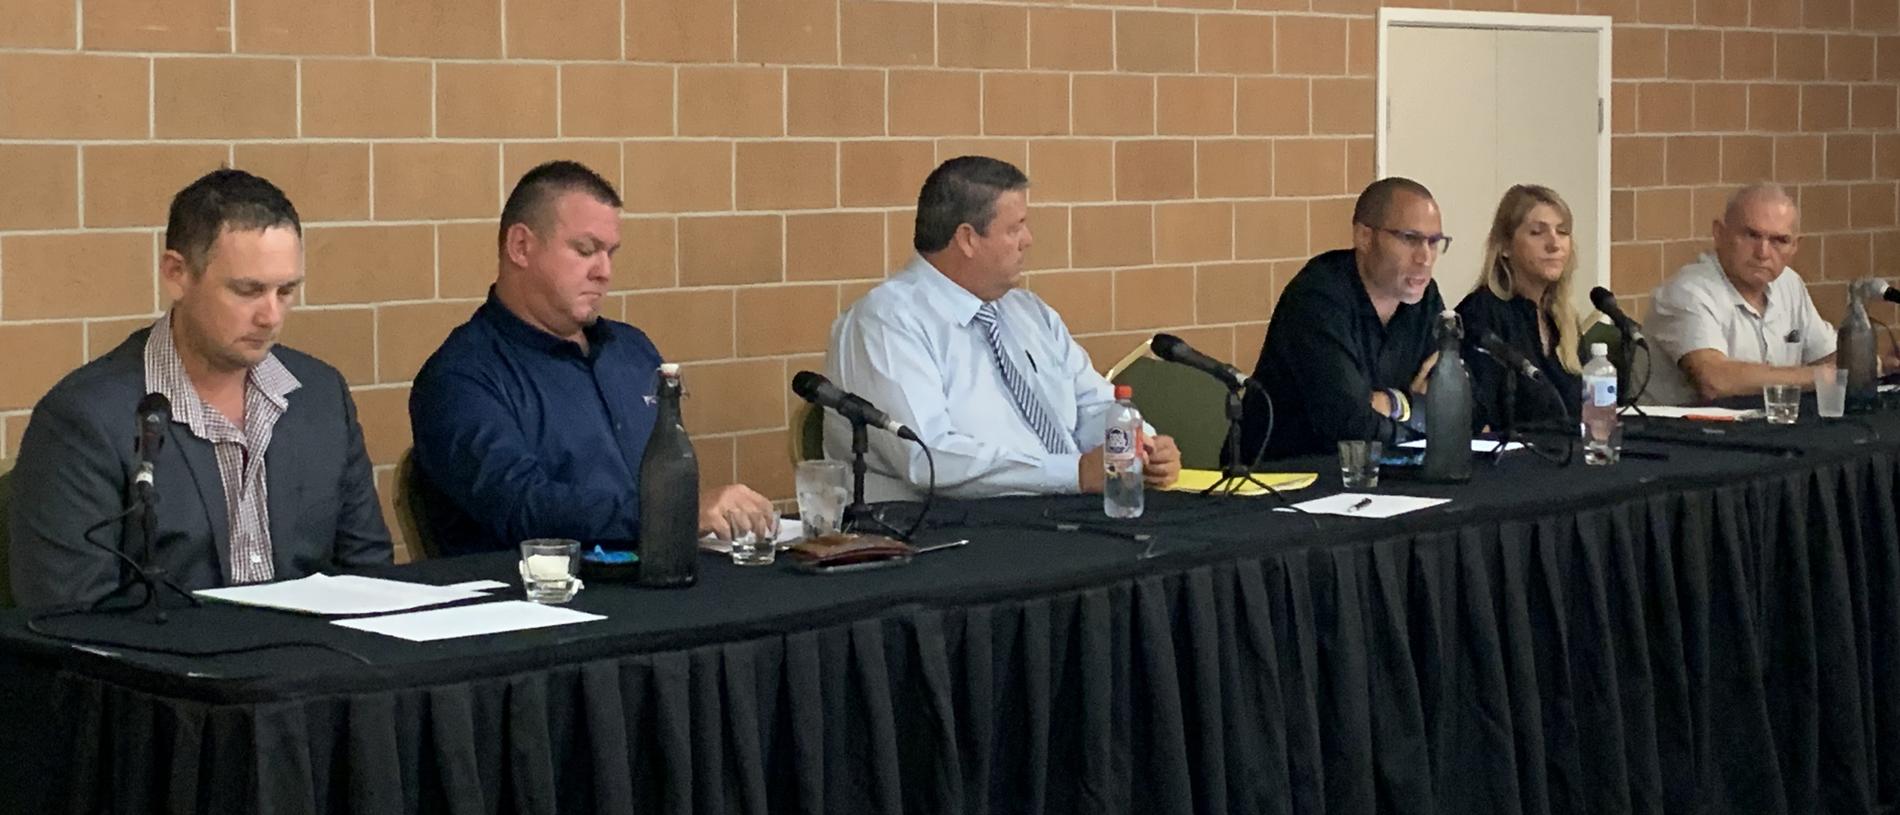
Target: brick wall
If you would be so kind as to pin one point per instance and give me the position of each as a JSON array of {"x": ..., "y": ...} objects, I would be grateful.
[{"x": 1187, "y": 154}]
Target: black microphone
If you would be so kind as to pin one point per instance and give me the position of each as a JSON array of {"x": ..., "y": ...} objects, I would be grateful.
[
  {"x": 1174, "y": 349},
  {"x": 1496, "y": 348},
  {"x": 1872, "y": 287},
  {"x": 1606, "y": 303},
  {"x": 155, "y": 411},
  {"x": 818, "y": 390}
]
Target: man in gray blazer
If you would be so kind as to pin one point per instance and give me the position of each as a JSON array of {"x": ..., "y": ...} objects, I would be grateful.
[{"x": 261, "y": 472}]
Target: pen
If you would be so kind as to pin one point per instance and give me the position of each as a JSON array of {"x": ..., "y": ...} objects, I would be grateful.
[
  {"x": 1707, "y": 417},
  {"x": 1359, "y": 505},
  {"x": 1032, "y": 361},
  {"x": 949, "y": 545}
]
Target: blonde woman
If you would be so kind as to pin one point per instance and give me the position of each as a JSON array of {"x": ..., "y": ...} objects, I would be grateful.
[{"x": 1523, "y": 296}]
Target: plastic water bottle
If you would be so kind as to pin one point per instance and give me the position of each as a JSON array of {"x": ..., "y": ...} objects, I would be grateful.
[
  {"x": 1121, "y": 458},
  {"x": 1602, "y": 428}
]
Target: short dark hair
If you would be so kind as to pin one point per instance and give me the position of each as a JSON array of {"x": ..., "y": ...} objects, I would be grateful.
[
  {"x": 534, "y": 194},
  {"x": 220, "y": 199},
  {"x": 961, "y": 191},
  {"x": 1376, "y": 200}
]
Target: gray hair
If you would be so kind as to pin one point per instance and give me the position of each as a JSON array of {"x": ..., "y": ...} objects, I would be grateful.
[{"x": 1767, "y": 191}]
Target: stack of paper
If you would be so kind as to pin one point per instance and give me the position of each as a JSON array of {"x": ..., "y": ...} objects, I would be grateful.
[
  {"x": 469, "y": 621},
  {"x": 340, "y": 594},
  {"x": 1367, "y": 505}
]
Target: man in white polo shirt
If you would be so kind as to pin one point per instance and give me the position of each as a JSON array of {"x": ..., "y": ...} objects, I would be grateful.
[{"x": 1738, "y": 318}]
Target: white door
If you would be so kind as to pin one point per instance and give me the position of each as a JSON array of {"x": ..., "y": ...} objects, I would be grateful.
[{"x": 1473, "y": 103}]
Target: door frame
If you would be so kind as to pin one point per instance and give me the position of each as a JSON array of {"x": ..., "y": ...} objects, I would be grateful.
[{"x": 1390, "y": 17}]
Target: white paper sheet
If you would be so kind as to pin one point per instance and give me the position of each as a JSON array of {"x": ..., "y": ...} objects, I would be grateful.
[
  {"x": 478, "y": 585},
  {"x": 1367, "y": 505},
  {"x": 1477, "y": 445},
  {"x": 340, "y": 594},
  {"x": 469, "y": 621},
  {"x": 790, "y": 530},
  {"x": 1714, "y": 414}
]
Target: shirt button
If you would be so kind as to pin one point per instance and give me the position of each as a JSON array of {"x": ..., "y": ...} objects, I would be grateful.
[{"x": 256, "y": 558}]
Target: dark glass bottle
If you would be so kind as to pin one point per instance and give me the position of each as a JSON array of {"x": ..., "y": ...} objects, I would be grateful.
[
  {"x": 1857, "y": 353},
  {"x": 669, "y": 495},
  {"x": 1448, "y": 408}
]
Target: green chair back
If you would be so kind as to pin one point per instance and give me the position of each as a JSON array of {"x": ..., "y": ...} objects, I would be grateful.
[
  {"x": 808, "y": 432},
  {"x": 6, "y": 533},
  {"x": 412, "y": 501},
  {"x": 1180, "y": 402}
]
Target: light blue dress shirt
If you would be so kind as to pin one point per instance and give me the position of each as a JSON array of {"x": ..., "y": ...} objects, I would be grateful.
[{"x": 912, "y": 347}]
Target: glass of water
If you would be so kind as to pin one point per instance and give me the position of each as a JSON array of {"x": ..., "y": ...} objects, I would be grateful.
[
  {"x": 548, "y": 568},
  {"x": 1359, "y": 463},
  {"x": 1830, "y": 392},
  {"x": 750, "y": 549},
  {"x": 822, "y": 496},
  {"x": 1782, "y": 403}
]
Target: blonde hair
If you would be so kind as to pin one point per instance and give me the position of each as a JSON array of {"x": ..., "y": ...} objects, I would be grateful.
[{"x": 1498, "y": 276}]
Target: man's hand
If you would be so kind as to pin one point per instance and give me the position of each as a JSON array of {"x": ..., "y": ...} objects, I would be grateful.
[
  {"x": 1089, "y": 476},
  {"x": 1163, "y": 465},
  {"x": 1422, "y": 379},
  {"x": 735, "y": 509}
]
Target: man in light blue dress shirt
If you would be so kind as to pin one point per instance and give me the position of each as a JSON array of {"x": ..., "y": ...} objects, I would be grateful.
[{"x": 981, "y": 368}]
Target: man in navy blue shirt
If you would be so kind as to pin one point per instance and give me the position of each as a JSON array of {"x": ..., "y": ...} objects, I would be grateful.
[{"x": 531, "y": 419}]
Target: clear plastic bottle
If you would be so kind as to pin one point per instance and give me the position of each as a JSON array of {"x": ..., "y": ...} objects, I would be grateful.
[
  {"x": 1121, "y": 458},
  {"x": 1602, "y": 429}
]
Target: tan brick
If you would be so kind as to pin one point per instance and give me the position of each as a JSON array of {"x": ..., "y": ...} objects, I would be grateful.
[
  {"x": 1850, "y": 156},
  {"x": 883, "y": 173},
  {"x": 1050, "y": 227},
  {"x": 971, "y": 35},
  {"x": 1850, "y": 58},
  {"x": 1194, "y": 105},
  {"x": 787, "y": 175},
  {"x": 1014, "y": 151},
  {"x": 717, "y": 101},
  {"x": 1665, "y": 107},
  {"x": 731, "y": 249},
  {"x": 1695, "y": 53},
  {"x": 836, "y": 246},
  {"x": 567, "y": 29},
  {"x": 439, "y": 28},
  {"x": 224, "y": 98},
  {"x": 1114, "y": 105},
  {"x": 1641, "y": 53},
  {"x": 1774, "y": 13},
  {"x": 1309, "y": 167},
  {"x": 517, "y": 158},
  {"x": 1775, "y": 108},
  {"x": 1329, "y": 226},
  {"x": 1362, "y": 48},
  {"x": 1800, "y": 56},
  {"x": 1193, "y": 232},
  {"x": 1824, "y": 107},
  {"x": 56, "y": 349},
  {"x": 1248, "y": 337},
  {"x": 1234, "y": 168},
  {"x": 132, "y": 185},
  {"x": 1694, "y": 160},
  {"x": 1662, "y": 214},
  {"x": 616, "y": 100},
  {"x": 44, "y": 278},
  {"x": 1272, "y": 106},
  {"x": 1270, "y": 229},
  {"x": 407, "y": 333},
  {"x": 1721, "y": 106},
  {"x": 725, "y": 397},
  {"x": 1846, "y": 257},
  {"x": 1359, "y": 163},
  {"x": 1154, "y": 298},
  {"x": 334, "y": 103},
  {"x": 648, "y": 254},
  {"x": 678, "y": 176},
  {"x": 1638, "y": 161},
  {"x": 679, "y": 30},
  {"x": 934, "y": 103},
  {"x": 785, "y": 319},
  {"x": 788, "y": 31},
  {"x": 1721, "y": 12},
  {"x": 1636, "y": 267},
  {"x": 1667, "y": 13},
  {"x": 1233, "y": 292},
  {"x": 1622, "y": 215},
  {"x": 1071, "y": 170},
  {"x": 1120, "y": 235},
  {"x": 1148, "y": 170},
  {"x": 368, "y": 264},
  {"x": 131, "y": 25},
  {"x": 326, "y": 181},
  {"x": 42, "y": 188},
  {"x": 1155, "y": 42},
  {"x": 38, "y": 24},
  {"x": 1825, "y": 207},
  {"x": 1235, "y": 44},
  {"x": 1084, "y": 299},
  {"x": 1873, "y": 107},
  {"x": 1886, "y": 155},
  {"x": 1622, "y": 108},
  {"x": 1872, "y": 205},
  {"x": 880, "y": 33},
  {"x": 435, "y": 180},
  {"x": 73, "y": 96},
  {"x": 467, "y": 258},
  {"x": 465, "y": 95},
  {"x": 1343, "y": 106},
  {"x": 384, "y": 414},
  {"x": 1748, "y": 54},
  {"x": 1747, "y": 159},
  {"x": 104, "y": 335},
  {"x": 1071, "y": 39},
  {"x": 826, "y": 102},
  {"x": 765, "y": 463},
  {"x": 718, "y": 458},
  {"x": 1822, "y": 14},
  {"x": 1025, "y": 104},
  {"x": 1310, "y": 45},
  {"x": 1800, "y": 158},
  {"x": 1875, "y": 15},
  {"x": 688, "y": 325},
  {"x": 296, "y": 27}
]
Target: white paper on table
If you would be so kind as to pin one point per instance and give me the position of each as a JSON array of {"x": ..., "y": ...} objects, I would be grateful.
[
  {"x": 1713, "y": 413},
  {"x": 1477, "y": 445},
  {"x": 478, "y": 585},
  {"x": 340, "y": 594},
  {"x": 790, "y": 530},
  {"x": 469, "y": 621},
  {"x": 1366, "y": 505}
]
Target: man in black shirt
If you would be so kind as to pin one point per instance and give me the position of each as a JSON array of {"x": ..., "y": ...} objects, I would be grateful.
[{"x": 1350, "y": 341}]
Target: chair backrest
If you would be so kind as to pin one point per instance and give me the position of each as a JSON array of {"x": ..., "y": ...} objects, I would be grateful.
[
  {"x": 1180, "y": 402},
  {"x": 6, "y": 534},
  {"x": 808, "y": 432},
  {"x": 412, "y": 503}
]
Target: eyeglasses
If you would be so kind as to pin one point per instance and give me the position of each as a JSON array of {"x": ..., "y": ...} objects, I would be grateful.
[{"x": 1440, "y": 243}]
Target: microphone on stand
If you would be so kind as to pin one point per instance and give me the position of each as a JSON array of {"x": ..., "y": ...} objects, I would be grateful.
[
  {"x": 1606, "y": 303},
  {"x": 1496, "y": 348},
  {"x": 154, "y": 411},
  {"x": 818, "y": 390},
  {"x": 1174, "y": 349}
]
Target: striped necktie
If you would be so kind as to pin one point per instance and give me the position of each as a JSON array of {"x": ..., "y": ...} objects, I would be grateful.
[{"x": 1054, "y": 438}]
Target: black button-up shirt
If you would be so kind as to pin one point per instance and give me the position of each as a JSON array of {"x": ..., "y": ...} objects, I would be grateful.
[
  {"x": 1515, "y": 322},
  {"x": 1326, "y": 352},
  {"x": 527, "y": 436}
]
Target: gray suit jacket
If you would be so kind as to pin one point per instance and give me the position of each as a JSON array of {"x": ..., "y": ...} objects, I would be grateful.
[{"x": 76, "y": 466}]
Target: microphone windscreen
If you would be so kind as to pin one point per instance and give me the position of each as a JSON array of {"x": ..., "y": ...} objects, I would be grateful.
[
  {"x": 155, "y": 403},
  {"x": 1603, "y": 299},
  {"x": 807, "y": 384},
  {"x": 1166, "y": 346}
]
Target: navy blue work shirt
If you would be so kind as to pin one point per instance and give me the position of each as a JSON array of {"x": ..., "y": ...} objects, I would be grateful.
[{"x": 520, "y": 434}]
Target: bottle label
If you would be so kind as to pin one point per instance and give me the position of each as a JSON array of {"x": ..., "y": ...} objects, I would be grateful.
[
  {"x": 1118, "y": 443},
  {"x": 1600, "y": 390}
]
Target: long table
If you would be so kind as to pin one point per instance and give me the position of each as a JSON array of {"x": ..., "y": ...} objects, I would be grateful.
[{"x": 1702, "y": 630}]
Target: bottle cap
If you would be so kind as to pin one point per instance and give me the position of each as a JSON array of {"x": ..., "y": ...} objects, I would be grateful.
[
  {"x": 669, "y": 369},
  {"x": 1124, "y": 391},
  {"x": 1599, "y": 349}
]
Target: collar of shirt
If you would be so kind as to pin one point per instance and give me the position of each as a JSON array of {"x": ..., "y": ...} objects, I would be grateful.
[
  {"x": 1735, "y": 294},
  {"x": 520, "y": 332},
  {"x": 954, "y": 303},
  {"x": 165, "y": 373}
]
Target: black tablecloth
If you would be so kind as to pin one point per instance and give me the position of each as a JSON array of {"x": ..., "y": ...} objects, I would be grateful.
[{"x": 1710, "y": 631}]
